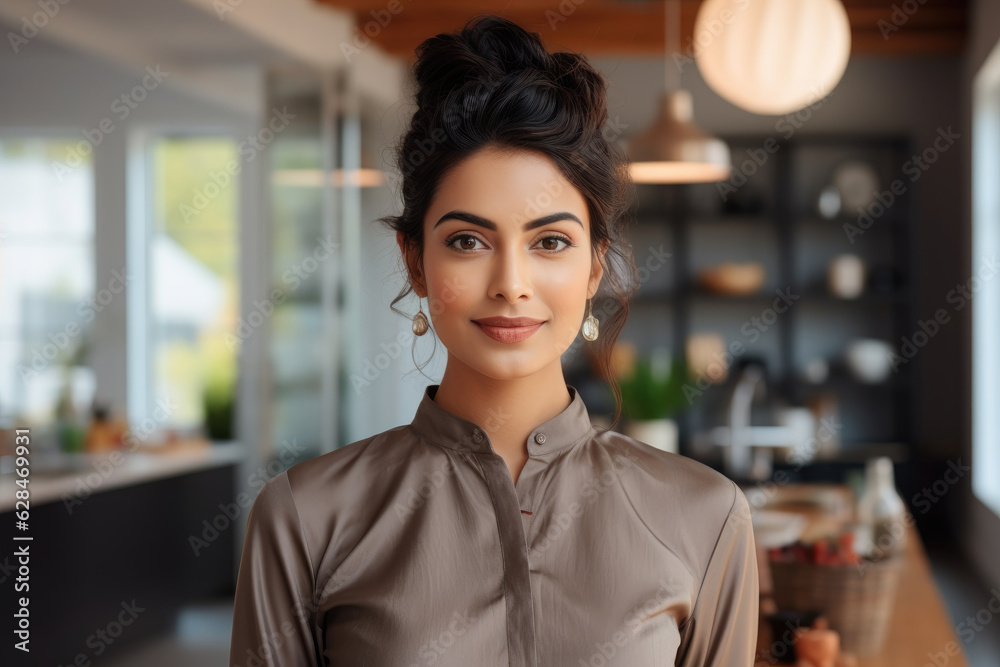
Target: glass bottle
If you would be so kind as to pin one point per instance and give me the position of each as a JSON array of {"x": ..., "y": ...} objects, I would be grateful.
[{"x": 881, "y": 511}]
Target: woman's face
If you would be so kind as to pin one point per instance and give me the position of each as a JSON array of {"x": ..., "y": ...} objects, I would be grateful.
[{"x": 507, "y": 236}]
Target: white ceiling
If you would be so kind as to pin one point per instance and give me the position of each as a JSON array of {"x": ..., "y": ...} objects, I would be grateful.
[{"x": 215, "y": 56}]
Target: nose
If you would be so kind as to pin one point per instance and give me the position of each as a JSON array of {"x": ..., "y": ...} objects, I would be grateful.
[{"x": 511, "y": 274}]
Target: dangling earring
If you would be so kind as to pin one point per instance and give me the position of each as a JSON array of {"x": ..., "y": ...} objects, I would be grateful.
[
  {"x": 590, "y": 324},
  {"x": 420, "y": 325}
]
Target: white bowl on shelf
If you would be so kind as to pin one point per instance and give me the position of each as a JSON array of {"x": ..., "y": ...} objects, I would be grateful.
[{"x": 870, "y": 359}]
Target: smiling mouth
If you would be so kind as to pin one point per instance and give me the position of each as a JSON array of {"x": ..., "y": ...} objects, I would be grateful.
[{"x": 508, "y": 334}]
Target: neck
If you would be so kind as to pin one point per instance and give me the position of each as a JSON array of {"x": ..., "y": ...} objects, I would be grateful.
[{"x": 507, "y": 409}]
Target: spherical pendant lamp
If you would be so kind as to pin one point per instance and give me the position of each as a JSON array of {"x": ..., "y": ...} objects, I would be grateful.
[{"x": 772, "y": 56}]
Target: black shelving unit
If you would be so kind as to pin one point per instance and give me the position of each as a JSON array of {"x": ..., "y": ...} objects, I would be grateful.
[{"x": 771, "y": 217}]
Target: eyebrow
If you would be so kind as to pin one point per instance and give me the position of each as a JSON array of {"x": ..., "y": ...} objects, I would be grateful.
[{"x": 489, "y": 224}]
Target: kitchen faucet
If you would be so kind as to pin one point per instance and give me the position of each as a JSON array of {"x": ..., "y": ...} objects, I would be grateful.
[
  {"x": 750, "y": 449},
  {"x": 740, "y": 435}
]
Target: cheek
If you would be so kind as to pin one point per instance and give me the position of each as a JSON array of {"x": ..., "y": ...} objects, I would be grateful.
[
  {"x": 566, "y": 291},
  {"x": 569, "y": 281},
  {"x": 451, "y": 292}
]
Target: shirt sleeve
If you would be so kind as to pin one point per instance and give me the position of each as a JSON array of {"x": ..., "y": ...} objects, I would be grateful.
[
  {"x": 272, "y": 615},
  {"x": 722, "y": 628}
]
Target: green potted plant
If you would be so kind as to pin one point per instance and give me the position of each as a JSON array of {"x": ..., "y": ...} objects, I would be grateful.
[{"x": 652, "y": 388}]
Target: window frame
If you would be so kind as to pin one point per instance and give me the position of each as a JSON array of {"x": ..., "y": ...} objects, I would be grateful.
[{"x": 140, "y": 216}]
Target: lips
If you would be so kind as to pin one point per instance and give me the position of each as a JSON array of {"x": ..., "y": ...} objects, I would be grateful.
[
  {"x": 509, "y": 329},
  {"x": 508, "y": 321}
]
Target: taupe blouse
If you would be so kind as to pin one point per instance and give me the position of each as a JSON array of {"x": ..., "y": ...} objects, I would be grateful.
[{"x": 414, "y": 547}]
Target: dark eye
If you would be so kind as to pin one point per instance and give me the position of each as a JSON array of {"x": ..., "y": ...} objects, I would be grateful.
[
  {"x": 557, "y": 239},
  {"x": 465, "y": 245}
]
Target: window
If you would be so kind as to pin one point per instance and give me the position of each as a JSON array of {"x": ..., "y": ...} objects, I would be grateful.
[
  {"x": 182, "y": 351},
  {"x": 986, "y": 300},
  {"x": 47, "y": 299}
]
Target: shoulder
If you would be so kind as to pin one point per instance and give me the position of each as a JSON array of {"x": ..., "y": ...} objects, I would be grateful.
[
  {"x": 352, "y": 475},
  {"x": 334, "y": 498},
  {"x": 686, "y": 504},
  {"x": 673, "y": 478}
]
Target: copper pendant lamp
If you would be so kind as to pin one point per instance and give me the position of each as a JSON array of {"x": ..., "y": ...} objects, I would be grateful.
[{"x": 674, "y": 149}]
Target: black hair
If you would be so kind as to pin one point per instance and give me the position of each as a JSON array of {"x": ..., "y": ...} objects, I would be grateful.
[{"x": 493, "y": 84}]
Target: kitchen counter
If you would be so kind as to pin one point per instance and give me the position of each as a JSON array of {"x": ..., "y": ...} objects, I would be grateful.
[
  {"x": 920, "y": 630},
  {"x": 75, "y": 477},
  {"x": 150, "y": 532}
]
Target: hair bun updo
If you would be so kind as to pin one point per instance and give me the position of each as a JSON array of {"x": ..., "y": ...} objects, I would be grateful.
[
  {"x": 493, "y": 83},
  {"x": 493, "y": 67}
]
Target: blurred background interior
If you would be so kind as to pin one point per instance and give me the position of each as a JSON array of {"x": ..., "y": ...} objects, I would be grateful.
[{"x": 194, "y": 294}]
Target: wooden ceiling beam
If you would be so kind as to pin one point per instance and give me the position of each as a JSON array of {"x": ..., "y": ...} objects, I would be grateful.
[{"x": 603, "y": 27}]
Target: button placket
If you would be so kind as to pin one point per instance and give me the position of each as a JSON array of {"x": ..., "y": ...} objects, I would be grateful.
[
  {"x": 526, "y": 488},
  {"x": 514, "y": 549}
]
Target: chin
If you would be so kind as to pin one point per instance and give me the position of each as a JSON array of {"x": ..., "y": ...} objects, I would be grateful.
[
  {"x": 505, "y": 363},
  {"x": 507, "y": 369}
]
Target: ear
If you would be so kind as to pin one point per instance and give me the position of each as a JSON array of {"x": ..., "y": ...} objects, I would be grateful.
[
  {"x": 411, "y": 257},
  {"x": 597, "y": 268}
]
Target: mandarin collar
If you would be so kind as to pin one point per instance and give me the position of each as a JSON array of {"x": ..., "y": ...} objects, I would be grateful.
[{"x": 434, "y": 423}]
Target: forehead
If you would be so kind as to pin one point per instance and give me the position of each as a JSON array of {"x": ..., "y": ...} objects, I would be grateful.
[{"x": 508, "y": 187}]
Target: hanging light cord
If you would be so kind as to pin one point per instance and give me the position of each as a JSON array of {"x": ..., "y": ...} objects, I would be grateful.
[{"x": 672, "y": 14}]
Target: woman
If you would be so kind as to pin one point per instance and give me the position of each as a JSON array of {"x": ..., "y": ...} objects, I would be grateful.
[{"x": 500, "y": 527}]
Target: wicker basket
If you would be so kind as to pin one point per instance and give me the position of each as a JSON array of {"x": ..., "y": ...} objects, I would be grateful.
[{"x": 856, "y": 600}]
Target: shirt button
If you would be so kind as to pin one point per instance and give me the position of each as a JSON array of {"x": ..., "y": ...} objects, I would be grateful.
[
  {"x": 540, "y": 438},
  {"x": 477, "y": 435}
]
